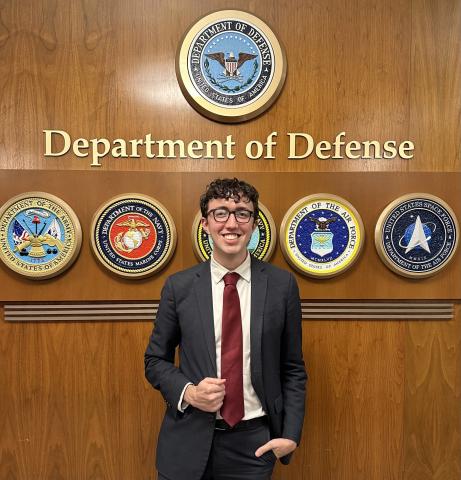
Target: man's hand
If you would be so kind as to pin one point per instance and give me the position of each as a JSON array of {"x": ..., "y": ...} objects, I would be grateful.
[
  {"x": 208, "y": 395},
  {"x": 280, "y": 447}
]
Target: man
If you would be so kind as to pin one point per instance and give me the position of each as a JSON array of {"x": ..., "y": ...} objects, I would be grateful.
[{"x": 236, "y": 402}]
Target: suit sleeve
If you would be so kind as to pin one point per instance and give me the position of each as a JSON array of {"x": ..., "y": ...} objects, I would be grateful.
[
  {"x": 160, "y": 370},
  {"x": 293, "y": 372}
]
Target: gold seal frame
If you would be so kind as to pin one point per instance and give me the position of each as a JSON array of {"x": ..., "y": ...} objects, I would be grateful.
[
  {"x": 311, "y": 199},
  {"x": 152, "y": 202},
  {"x": 236, "y": 114},
  {"x": 270, "y": 223},
  {"x": 378, "y": 235},
  {"x": 43, "y": 272}
]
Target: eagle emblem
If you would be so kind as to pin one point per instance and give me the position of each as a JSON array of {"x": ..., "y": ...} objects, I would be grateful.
[
  {"x": 231, "y": 64},
  {"x": 321, "y": 222}
]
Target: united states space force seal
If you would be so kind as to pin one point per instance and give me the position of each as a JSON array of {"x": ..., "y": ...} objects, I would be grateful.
[
  {"x": 133, "y": 235},
  {"x": 230, "y": 66},
  {"x": 262, "y": 242},
  {"x": 40, "y": 235},
  {"x": 416, "y": 235},
  {"x": 322, "y": 235}
]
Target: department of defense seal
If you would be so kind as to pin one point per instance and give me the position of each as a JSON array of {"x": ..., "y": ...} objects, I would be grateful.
[
  {"x": 40, "y": 235},
  {"x": 416, "y": 235},
  {"x": 230, "y": 66},
  {"x": 262, "y": 242},
  {"x": 133, "y": 235},
  {"x": 322, "y": 235}
]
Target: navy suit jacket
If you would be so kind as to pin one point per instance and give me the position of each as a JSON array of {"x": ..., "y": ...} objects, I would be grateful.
[{"x": 185, "y": 319}]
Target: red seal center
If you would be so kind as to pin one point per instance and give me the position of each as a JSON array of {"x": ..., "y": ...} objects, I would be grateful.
[{"x": 133, "y": 236}]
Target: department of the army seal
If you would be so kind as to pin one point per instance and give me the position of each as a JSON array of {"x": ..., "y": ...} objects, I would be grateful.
[
  {"x": 133, "y": 235},
  {"x": 262, "y": 242},
  {"x": 416, "y": 235},
  {"x": 322, "y": 235},
  {"x": 230, "y": 66},
  {"x": 40, "y": 235}
]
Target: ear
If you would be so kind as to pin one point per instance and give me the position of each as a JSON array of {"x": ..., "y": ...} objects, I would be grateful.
[
  {"x": 204, "y": 222},
  {"x": 255, "y": 224}
]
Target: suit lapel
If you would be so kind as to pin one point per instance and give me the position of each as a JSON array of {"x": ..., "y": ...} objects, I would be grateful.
[
  {"x": 204, "y": 296},
  {"x": 258, "y": 299}
]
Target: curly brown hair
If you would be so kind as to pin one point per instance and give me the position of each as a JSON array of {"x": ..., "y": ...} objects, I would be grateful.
[{"x": 230, "y": 188}]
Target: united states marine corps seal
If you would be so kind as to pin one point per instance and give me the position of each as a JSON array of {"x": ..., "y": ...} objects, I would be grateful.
[
  {"x": 261, "y": 245},
  {"x": 230, "y": 66},
  {"x": 322, "y": 235},
  {"x": 416, "y": 235},
  {"x": 133, "y": 235},
  {"x": 40, "y": 235}
]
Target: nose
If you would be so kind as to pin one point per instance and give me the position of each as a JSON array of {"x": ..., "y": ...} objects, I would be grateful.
[{"x": 232, "y": 220}]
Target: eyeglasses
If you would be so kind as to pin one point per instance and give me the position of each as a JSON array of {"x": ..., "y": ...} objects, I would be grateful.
[{"x": 221, "y": 215}]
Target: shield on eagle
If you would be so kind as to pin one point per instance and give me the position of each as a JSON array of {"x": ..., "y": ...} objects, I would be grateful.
[{"x": 322, "y": 242}]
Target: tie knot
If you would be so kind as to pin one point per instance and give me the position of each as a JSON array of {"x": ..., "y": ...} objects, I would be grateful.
[{"x": 231, "y": 279}]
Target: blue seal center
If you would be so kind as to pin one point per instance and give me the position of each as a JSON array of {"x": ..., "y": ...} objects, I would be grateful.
[
  {"x": 322, "y": 236},
  {"x": 36, "y": 238},
  {"x": 231, "y": 63}
]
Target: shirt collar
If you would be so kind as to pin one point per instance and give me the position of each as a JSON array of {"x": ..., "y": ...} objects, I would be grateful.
[{"x": 218, "y": 271}]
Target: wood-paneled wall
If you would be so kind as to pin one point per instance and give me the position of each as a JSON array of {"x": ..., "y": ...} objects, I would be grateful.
[
  {"x": 383, "y": 401},
  {"x": 383, "y": 70},
  {"x": 384, "y": 396}
]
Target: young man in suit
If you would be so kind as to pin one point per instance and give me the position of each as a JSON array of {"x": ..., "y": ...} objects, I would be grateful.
[{"x": 235, "y": 403}]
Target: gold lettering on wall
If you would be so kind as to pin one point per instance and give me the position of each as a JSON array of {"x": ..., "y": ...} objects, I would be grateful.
[{"x": 301, "y": 146}]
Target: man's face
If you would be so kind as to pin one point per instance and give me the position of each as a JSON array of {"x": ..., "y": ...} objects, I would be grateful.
[{"x": 230, "y": 238}]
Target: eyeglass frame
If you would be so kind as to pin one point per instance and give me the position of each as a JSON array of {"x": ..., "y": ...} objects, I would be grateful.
[{"x": 231, "y": 212}]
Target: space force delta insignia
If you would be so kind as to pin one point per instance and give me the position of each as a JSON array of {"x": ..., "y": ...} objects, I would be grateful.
[
  {"x": 322, "y": 235},
  {"x": 416, "y": 235},
  {"x": 262, "y": 241},
  {"x": 133, "y": 235},
  {"x": 230, "y": 66},
  {"x": 40, "y": 235}
]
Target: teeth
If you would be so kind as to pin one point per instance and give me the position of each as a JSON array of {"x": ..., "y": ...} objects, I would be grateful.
[{"x": 230, "y": 236}]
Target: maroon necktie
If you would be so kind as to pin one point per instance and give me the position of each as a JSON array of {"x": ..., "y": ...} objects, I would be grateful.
[{"x": 232, "y": 410}]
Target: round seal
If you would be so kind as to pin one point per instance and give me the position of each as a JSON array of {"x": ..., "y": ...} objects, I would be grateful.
[
  {"x": 322, "y": 235},
  {"x": 230, "y": 66},
  {"x": 416, "y": 235},
  {"x": 40, "y": 235},
  {"x": 262, "y": 242},
  {"x": 133, "y": 235}
]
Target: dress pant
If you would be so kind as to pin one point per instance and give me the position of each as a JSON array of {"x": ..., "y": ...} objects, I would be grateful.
[{"x": 232, "y": 454}]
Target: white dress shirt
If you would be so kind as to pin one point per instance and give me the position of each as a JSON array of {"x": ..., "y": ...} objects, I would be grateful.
[{"x": 251, "y": 401}]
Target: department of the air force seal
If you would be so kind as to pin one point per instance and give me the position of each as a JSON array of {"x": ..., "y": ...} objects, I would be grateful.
[
  {"x": 321, "y": 235},
  {"x": 416, "y": 235},
  {"x": 40, "y": 235},
  {"x": 262, "y": 242},
  {"x": 133, "y": 235},
  {"x": 230, "y": 66}
]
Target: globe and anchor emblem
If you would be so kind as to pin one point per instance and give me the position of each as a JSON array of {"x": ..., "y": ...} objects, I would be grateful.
[{"x": 133, "y": 237}]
